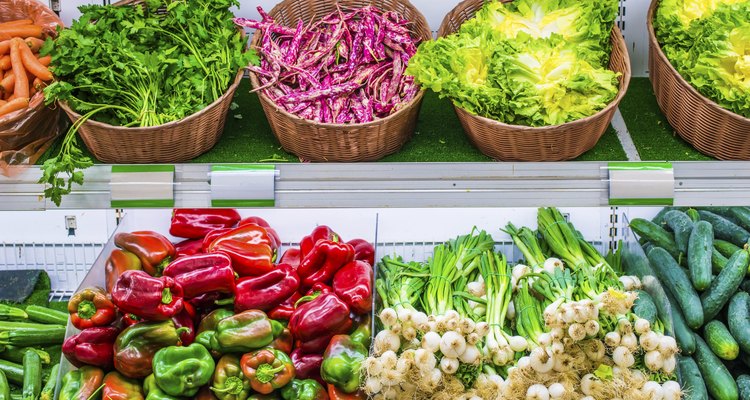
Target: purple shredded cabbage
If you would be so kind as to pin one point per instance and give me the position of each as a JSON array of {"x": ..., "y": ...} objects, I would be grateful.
[{"x": 346, "y": 68}]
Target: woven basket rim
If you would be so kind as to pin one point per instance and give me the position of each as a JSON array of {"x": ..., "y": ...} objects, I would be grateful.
[
  {"x": 663, "y": 57},
  {"x": 277, "y": 108},
  {"x": 231, "y": 89},
  {"x": 624, "y": 84}
]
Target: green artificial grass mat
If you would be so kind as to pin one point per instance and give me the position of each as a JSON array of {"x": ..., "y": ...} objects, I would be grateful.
[
  {"x": 438, "y": 137},
  {"x": 653, "y": 136}
]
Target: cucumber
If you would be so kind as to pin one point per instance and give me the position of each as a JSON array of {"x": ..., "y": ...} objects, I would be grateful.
[
  {"x": 12, "y": 325},
  {"x": 13, "y": 371},
  {"x": 678, "y": 284},
  {"x": 659, "y": 217},
  {"x": 4, "y": 387},
  {"x": 681, "y": 225},
  {"x": 32, "y": 375},
  {"x": 725, "y": 284},
  {"x": 720, "y": 340},
  {"x": 699, "y": 254},
  {"x": 15, "y": 354},
  {"x": 741, "y": 215},
  {"x": 693, "y": 214},
  {"x": 719, "y": 382},
  {"x": 47, "y": 315},
  {"x": 8, "y": 312},
  {"x": 725, "y": 248},
  {"x": 51, "y": 334},
  {"x": 745, "y": 285},
  {"x": 644, "y": 307},
  {"x": 743, "y": 384},
  {"x": 739, "y": 319},
  {"x": 48, "y": 392},
  {"x": 656, "y": 235},
  {"x": 718, "y": 261},
  {"x": 692, "y": 381},
  {"x": 725, "y": 229},
  {"x": 682, "y": 333}
]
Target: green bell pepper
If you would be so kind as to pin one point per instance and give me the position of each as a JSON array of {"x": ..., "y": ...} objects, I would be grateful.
[
  {"x": 363, "y": 333},
  {"x": 136, "y": 346},
  {"x": 154, "y": 392},
  {"x": 342, "y": 363},
  {"x": 229, "y": 382},
  {"x": 308, "y": 389},
  {"x": 272, "y": 396},
  {"x": 207, "y": 329},
  {"x": 181, "y": 371},
  {"x": 84, "y": 383},
  {"x": 244, "y": 332}
]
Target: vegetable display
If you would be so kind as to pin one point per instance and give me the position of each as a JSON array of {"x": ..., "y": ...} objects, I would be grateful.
[
  {"x": 138, "y": 67},
  {"x": 707, "y": 42},
  {"x": 346, "y": 68},
  {"x": 468, "y": 324},
  {"x": 23, "y": 71},
  {"x": 719, "y": 341},
  {"x": 525, "y": 62},
  {"x": 211, "y": 325}
]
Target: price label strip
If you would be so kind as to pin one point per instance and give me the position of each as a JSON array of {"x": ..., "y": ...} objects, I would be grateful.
[
  {"x": 142, "y": 186},
  {"x": 641, "y": 184},
  {"x": 243, "y": 185}
]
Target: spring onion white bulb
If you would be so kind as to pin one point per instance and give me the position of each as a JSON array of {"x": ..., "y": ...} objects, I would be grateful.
[
  {"x": 373, "y": 366},
  {"x": 537, "y": 391},
  {"x": 451, "y": 324},
  {"x": 519, "y": 270},
  {"x": 500, "y": 357},
  {"x": 518, "y": 343},
  {"x": 404, "y": 315},
  {"x": 452, "y": 344},
  {"x": 431, "y": 341},
  {"x": 653, "y": 390},
  {"x": 544, "y": 339},
  {"x": 642, "y": 326},
  {"x": 592, "y": 327},
  {"x": 567, "y": 314},
  {"x": 482, "y": 328},
  {"x": 557, "y": 333},
  {"x": 623, "y": 357},
  {"x": 476, "y": 289},
  {"x": 557, "y": 348},
  {"x": 425, "y": 359},
  {"x": 594, "y": 350},
  {"x": 630, "y": 341},
  {"x": 556, "y": 391},
  {"x": 434, "y": 377},
  {"x": 667, "y": 345},
  {"x": 386, "y": 340},
  {"x": 562, "y": 362},
  {"x": 373, "y": 386},
  {"x": 471, "y": 356},
  {"x": 612, "y": 339},
  {"x": 624, "y": 326},
  {"x": 403, "y": 365},
  {"x": 431, "y": 326},
  {"x": 388, "y": 316},
  {"x": 653, "y": 360},
  {"x": 390, "y": 393},
  {"x": 467, "y": 326},
  {"x": 589, "y": 382},
  {"x": 396, "y": 328},
  {"x": 580, "y": 314},
  {"x": 551, "y": 264},
  {"x": 587, "y": 398},
  {"x": 672, "y": 390},
  {"x": 524, "y": 363},
  {"x": 670, "y": 363},
  {"x": 449, "y": 365},
  {"x": 391, "y": 377},
  {"x": 419, "y": 318},
  {"x": 650, "y": 341},
  {"x": 511, "y": 312},
  {"x": 627, "y": 282},
  {"x": 452, "y": 314},
  {"x": 497, "y": 380},
  {"x": 389, "y": 360},
  {"x": 577, "y": 332},
  {"x": 541, "y": 361}
]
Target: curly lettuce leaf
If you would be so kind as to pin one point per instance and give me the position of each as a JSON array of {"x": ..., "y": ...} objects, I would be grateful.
[{"x": 678, "y": 22}]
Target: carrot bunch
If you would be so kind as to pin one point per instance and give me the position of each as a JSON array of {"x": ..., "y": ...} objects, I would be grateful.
[{"x": 23, "y": 72}]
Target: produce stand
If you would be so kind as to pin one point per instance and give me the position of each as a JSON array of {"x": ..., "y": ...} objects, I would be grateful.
[{"x": 437, "y": 187}]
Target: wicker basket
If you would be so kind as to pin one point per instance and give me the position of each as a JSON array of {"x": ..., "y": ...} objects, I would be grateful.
[
  {"x": 172, "y": 142},
  {"x": 314, "y": 141},
  {"x": 550, "y": 143},
  {"x": 710, "y": 128}
]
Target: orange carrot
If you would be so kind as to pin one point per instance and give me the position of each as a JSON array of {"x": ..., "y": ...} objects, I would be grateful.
[
  {"x": 4, "y": 47},
  {"x": 3, "y": 102},
  {"x": 5, "y": 62},
  {"x": 21, "y": 88},
  {"x": 2, "y": 74},
  {"x": 34, "y": 44},
  {"x": 20, "y": 31},
  {"x": 32, "y": 64},
  {"x": 36, "y": 86},
  {"x": 46, "y": 60},
  {"x": 8, "y": 84},
  {"x": 17, "y": 22},
  {"x": 14, "y": 105}
]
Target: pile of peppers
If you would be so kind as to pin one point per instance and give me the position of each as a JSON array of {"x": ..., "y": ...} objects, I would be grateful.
[{"x": 220, "y": 315}]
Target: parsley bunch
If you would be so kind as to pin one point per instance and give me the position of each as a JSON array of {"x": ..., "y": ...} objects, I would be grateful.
[{"x": 140, "y": 66}]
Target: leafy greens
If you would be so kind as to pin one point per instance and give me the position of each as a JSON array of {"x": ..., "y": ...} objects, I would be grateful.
[{"x": 527, "y": 62}]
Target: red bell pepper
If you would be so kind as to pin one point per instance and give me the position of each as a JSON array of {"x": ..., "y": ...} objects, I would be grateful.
[
  {"x": 195, "y": 223},
  {"x": 248, "y": 259},
  {"x": 266, "y": 291},
  {"x": 206, "y": 301},
  {"x": 202, "y": 273},
  {"x": 188, "y": 247},
  {"x": 119, "y": 261},
  {"x": 213, "y": 235},
  {"x": 353, "y": 284},
  {"x": 262, "y": 223},
  {"x": 153, "y": 249},
  {"x": 92, "y": 346},
  {"x": 335, "y": 393},
  {"x": 150, "y": 298},
  {"x": 125, "y": 320},
  {"x": 319, "y": 233},
  {"x": 314, "y": 323},
  {"x": 285, "y": 310},
  {"x": 251, "y": 233},
  {"x": 363, "y": 250},
  {"x": 322, "y": 262},
  {"x": 291, "y": 257},
  {"x": 91, "y": 307},
  {"x": 284, "y": 342},
  {"x": 186, "y": 319},
  {"x": 307, "y": 366},
  {"x": 318, "y": 289}
]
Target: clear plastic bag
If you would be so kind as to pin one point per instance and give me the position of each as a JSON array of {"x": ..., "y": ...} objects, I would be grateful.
[{"x": 26, "y": 134}]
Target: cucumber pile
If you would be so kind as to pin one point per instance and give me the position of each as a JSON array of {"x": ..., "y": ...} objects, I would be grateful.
[{"x": 702, "y": 258}]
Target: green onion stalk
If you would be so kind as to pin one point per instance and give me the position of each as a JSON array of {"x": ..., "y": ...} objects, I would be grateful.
[
  {"x": 497, "y": 279},
  {"x": 529, "y": 313},
  {"x": 562, "y": 240},
  {"x": 461, "y": 298},
  {"x": 400, "y": 284},
  {"x": 526, "y": 241}
]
